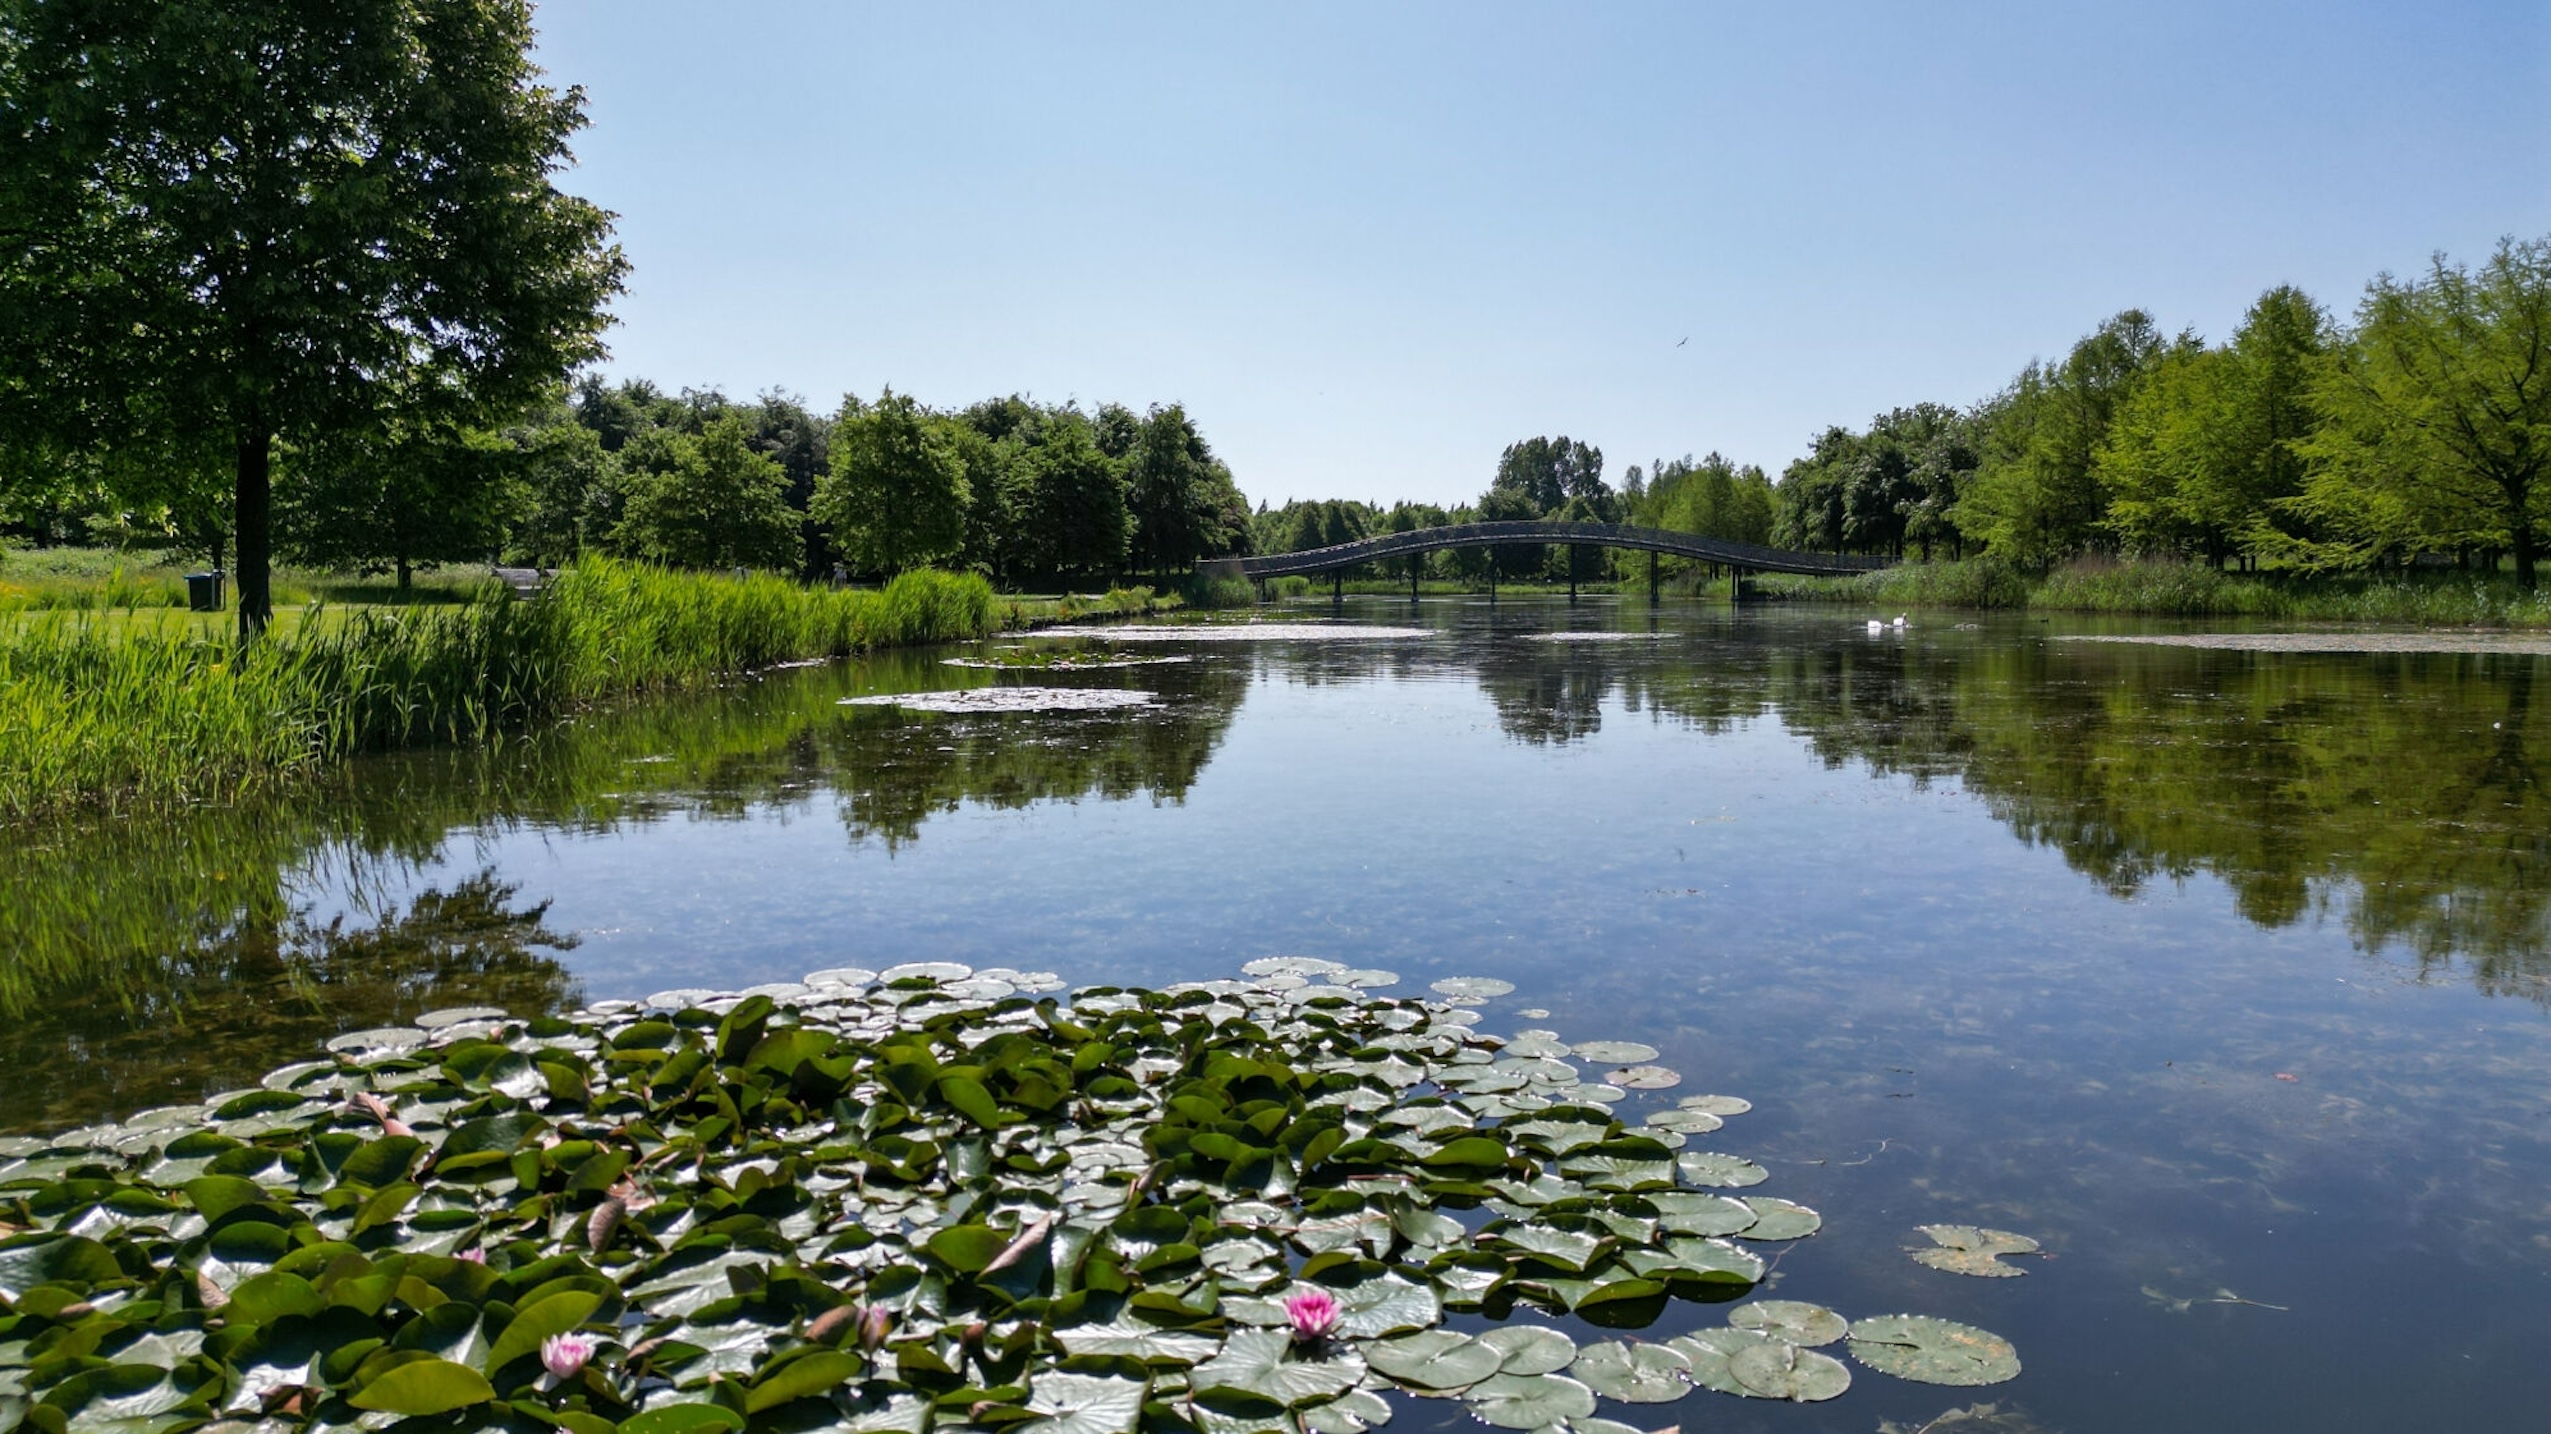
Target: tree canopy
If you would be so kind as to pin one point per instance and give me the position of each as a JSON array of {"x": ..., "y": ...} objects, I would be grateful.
[{"x": 283, "y": 220}]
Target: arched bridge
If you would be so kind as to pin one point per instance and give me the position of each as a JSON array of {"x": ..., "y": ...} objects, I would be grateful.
[{"x": 1745, "y": 557}]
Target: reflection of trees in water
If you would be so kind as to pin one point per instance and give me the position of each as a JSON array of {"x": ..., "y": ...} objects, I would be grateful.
[
  {"x": 2402, "y": 793},
  {"x": 150, "y": 958},
  {"x": 268, "y": 989}
]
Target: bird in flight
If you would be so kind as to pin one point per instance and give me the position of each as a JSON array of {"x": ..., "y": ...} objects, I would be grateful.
[{"x": 1678, "y": 343}]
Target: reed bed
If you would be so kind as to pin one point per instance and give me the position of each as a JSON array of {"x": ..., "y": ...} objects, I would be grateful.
[
  {"x": 2170, "y": 589},
  {"x": 94, "y": 710}
]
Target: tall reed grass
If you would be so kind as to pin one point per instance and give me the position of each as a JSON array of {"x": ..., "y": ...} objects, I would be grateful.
[
  {"x": 99, "y": 711},
  {"x": 2171, "y": 589}
]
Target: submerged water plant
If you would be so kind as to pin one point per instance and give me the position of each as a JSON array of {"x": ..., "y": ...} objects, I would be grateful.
[{"x": 924, "y": 1199}]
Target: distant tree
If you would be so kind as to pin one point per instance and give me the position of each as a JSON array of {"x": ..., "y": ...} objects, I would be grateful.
[
  {"x": 1549, "y": 471},
  {"x": 2036, "y": 496},
  {"x": 1070, "y": 502},
  {"x": 712, "y": 503},
  {"x": 2438, "y": 426},
  {"x": 1180, "y": 494},
  {"x": 896, "y": 495},
  {"x": 1813, "y": 513},
  {"x": 318, "y": 219},
  {"x": 566, "y": 480},
  {"x": 386, "y": 503}
]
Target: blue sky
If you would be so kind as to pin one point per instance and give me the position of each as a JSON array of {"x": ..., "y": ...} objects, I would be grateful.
[{"x": 1370, "y": 245}]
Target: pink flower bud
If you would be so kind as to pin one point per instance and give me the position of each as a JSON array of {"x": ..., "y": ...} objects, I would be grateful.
[
  {"x": 1315, "y": 1315},
  {"x": 564, "y": 1355},
  {"x": 874, "y": 1321},
  {"x": 474, "y": 1255}
]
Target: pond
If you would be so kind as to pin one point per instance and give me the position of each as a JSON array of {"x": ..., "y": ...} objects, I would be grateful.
[{"x": 2225, "y": 974}]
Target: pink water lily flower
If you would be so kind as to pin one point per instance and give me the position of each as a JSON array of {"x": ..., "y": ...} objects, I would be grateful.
[
  {"x": 1315, "y": 1315},
  {"x": 874, "y": 1323},
  {"x": 564, "y": 1355}
]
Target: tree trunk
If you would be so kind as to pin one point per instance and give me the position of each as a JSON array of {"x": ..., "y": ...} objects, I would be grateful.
[
  {"x": 2520, "y": 525},
  {"x": 252, "y": 503}
]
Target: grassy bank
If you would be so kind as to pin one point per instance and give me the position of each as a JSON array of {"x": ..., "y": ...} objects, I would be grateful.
[
  {"x": 2160, "y": 589},
  {"x": 116, "y": 707}
]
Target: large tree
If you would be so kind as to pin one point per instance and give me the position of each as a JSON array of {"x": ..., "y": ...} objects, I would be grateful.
[
  {"x": 895, "y": 496},
  {"x": 711, "y": 503},
  {"x": 376, "y": 504},
  {"x": 2439, "y": 413},
  {"x": 283, "y": 221}
]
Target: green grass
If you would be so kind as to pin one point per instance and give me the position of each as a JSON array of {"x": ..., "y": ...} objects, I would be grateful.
[
  {"x": 2168, "y": 589},
  {"x": 117, "y": 707},
  {"x": 70, "y": 579}
]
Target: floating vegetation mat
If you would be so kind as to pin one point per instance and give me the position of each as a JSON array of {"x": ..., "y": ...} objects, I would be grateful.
[
  {"x": 1596, "y": 637},
  {"x": 1239, "y": 632},
  {"x": 2523, "y": 643},
  {"x": 1009, "y": 699},
  {"x": 923, "y": 1199},
  {"x": 1032, "y": 659}
]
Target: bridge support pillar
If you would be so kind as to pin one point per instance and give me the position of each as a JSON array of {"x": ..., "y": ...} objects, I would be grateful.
[
  {"x": 1492, "y": 575},
  {"x": 1337, "y": 585},
  {"x": 1652, "y": 588},
  {"x": 1736, "y": 584},
  {"x": 1414, "y": 563},
  {"x": 1572, "y": 574}
]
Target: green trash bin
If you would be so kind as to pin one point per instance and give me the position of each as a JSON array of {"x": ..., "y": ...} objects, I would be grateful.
[{"x": 203, "y": 591}]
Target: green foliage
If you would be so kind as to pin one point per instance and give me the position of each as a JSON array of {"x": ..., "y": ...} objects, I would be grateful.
[
  {"x": 394, "y": 501},
  {"x": 89, "y": 712},
  {"x": 896, "y": 495},
  {"x": 319, "y": 218},
  {"x": 2439, "y": 414},
  {"x": 709, "y": 502},
  {"x": 2036, "y": 496},
  {"x": 917, "y": 1196}
]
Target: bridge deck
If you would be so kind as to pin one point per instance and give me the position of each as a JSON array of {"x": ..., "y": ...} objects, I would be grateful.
[{"x": 1603, "y": 535}]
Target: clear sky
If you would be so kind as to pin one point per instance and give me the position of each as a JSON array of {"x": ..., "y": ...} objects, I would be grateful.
[{"x": 1369, "y": 245}]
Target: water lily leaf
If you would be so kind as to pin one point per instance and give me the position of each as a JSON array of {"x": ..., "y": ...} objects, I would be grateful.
[
  {"x": 1135, "y": 1339},
  {"x": 939, "y": 971},
  {"x": 880, "y": 1408},
  {"x": 1617, "y": 1172},
  {"x": 1696, "y": 1212},
  {"x": 537, "y": 1321},
  {"x": 1435, "y": 1359},
  {"x": 1528, "y": 1401},
  {"x": 1291, "y": 966},
  {"x": 1718, "y": 1105},
  {"x": 1780, "y": 1219},
  {"x": 815, "y": 1373},
  {"x": 1633, "y": 1373},
  {"x": 1708, "y": 1352},
  {"x": 1644, "y": 1077},
  {"x": 1684, "y": 1122},
  {"x": 425, "y": 1386},
  {"x": 1970, "y": 1250},
  {"x": 1386, "y": 1304},
  {"x": 1272, "y": 1365},
  {"x": 1933, "y": 1351},
  {"x": 1795, "y": 1321},
  {"x": 684, "y": 1419},
  {"x": 1704, "y": 1167},
  {"x": 1537, "y": 1043},
  {"x": 1472, "y": 988},
  {"x": 1614, "y": 1053},
  {"x": 1710, "y": 1261},
  {"x": 30, "y": 1260},
  {"x": 1084, "y": 1404},
  {"x": 1784, "y": 1371},
  {"x": 1350, "y": 1413},
  {"x": 1566, "y": 1249},
  {"x": 1530, "y": 1348}
]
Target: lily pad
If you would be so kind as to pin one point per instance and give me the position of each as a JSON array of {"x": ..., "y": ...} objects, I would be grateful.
[
  {"x": 1084, "y": 1404},
  {"x": 1684, "y": 1122},
  {"x": 1528, "y": 1401},
  {"x": 1271, "y": 1364},
  {"x": 1775, "y": 1370},
  {"x": 1707, "y": 1353},
  {"x": 1971, "y": 1250},
  {"x": 1291, "y": 966},
  {"x": 1472, "y": 988},
  {"x": 1780, "y": 1219},
  {"x": 1435, "y": 1359},
  {"x": 1618, "y": 1053},
  {"x": 1734, "y": 1172},
  {"x": 1644, "y": 1077},
  {"x": 1933, "y": 1351},
  {"x": 1718, "y": 1105},
  {"x": 1530, "y": 1349},
  {"x": 1634, "y": 1373},
  {"x": 1795, "y": 1321}
]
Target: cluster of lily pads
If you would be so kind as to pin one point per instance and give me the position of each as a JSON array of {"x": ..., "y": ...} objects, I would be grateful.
[{"x": 928, "y": 1199}]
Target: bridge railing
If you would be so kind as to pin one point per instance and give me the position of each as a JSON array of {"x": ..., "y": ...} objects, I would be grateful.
[{"x": 1725, "y": 552}]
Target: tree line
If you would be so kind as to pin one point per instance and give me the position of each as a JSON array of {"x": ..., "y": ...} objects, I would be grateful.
[{"x": 2419, "y": 432}]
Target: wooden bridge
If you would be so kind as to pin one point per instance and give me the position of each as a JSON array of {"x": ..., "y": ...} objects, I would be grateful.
[{"x": 1741, "y": 558}]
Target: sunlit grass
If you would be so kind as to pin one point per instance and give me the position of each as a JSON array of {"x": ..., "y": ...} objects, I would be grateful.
[{"x": 117, "y": 705}]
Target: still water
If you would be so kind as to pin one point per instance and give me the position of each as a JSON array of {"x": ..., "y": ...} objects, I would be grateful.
[{"x": 2226, "y": 975}]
